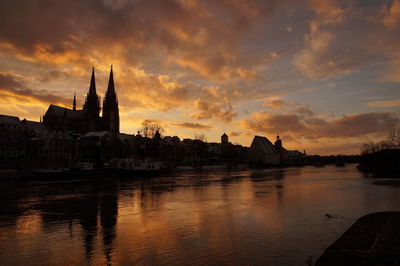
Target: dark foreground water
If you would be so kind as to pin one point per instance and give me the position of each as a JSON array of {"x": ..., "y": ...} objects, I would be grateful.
[{"x": 251, "y": 217}]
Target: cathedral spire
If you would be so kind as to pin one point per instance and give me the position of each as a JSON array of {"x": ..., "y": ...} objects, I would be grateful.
[
  {"x": 111, "y": 89},
  {"x": 92, "y": 88},
  {"x": 110, "y": 107},
  {"x": 91, "y": 107},
  {"x": 74, "y": 102}
]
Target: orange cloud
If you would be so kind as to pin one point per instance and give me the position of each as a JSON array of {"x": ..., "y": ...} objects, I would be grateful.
[
  {"x": 192, "y": 125},
  {"x": 310, "y": 126},
  {"x": 277, "y": 104},
  {"x": 320, "y": 60},
  {"x": 392, "y": 15},
  {"x": 388, "y": 103},
  {"x": 213, "y": 110},
  {"x": 14, "y": 87},
  {"x": 328, "y": 12},
  {"x": 200, "y": 35},
  {"x": 234, "y": 134}
]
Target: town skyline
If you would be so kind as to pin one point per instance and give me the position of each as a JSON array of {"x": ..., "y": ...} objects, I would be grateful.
[{"x": 324, "y": 75}]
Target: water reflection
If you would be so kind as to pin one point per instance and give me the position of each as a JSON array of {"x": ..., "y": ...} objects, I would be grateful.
[
  {"x": 108, "y": 218},
  {"x": 273, "y": 216}
]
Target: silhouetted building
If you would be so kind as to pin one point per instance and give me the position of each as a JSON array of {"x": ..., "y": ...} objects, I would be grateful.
[
  {"x": 278, "y": 143},
  {"x": 295, "y": 155},
  {"x": 74, "y": 103},
  {"x": 59, "y": 118},
  {"x": 110, "y": 107},
  {"x": 283, "y": 155},
  {"x": 224, "y": 139},
  {"x": 263, "y": 151},
  {"x": 12, "y": 138},
  {"x": 88, "y": 119},
  {"x": 18, "y": 137},
  {"x": 91, "y": 108}
]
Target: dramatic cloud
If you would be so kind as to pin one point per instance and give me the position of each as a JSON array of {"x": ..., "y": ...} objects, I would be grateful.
[
  {"x": 13, "y": 87},
  {"x": 218, "y": 62},
  {"x": 217, "y": 111},
  {"x": 316, "y": 60},
  {"x": 392, "y": 15},
  {"x": 323, "y": 56},
  {"x": 328, "y": 12},
  {"x": 388, "y": 103},
  {"x": 7, "y": 81},
  {"x": 262, "y": 121},
  {"x": 201, "y": 35},
  {"x": 234, "y": 134},
  {"x": 310, "y": 126},
  {"x": 277, "y": 104},
  {"x": 192, "y": 125},
  {"x": 151, "y": 90}
]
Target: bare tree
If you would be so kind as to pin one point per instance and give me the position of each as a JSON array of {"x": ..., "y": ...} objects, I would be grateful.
[
  {"x": 200, "y": 137},
  {"x": 150, "y": 127},
  {"x": 392, "y": 141},
  {"x": 369, "y": 147},
  {"x": 393, "y": 138}
]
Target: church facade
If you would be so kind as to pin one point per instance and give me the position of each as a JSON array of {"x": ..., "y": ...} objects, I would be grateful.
[{"x": 87, "y": 119}]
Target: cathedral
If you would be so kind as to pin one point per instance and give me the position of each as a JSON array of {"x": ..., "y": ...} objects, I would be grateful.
[{"x": 87, "y": 119}]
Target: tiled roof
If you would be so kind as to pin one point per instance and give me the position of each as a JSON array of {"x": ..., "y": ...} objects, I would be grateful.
[
  {"x": 58, "y": 111},
  {"x": 264, "y": 144},
  {"x": 9, "y": 119}
]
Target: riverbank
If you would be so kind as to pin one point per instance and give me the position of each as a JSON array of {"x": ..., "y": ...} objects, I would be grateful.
[
  {"x": 66, "y": 173},
  {"x": 373, "y": 239},
  {"x": 384, "y": 163}
]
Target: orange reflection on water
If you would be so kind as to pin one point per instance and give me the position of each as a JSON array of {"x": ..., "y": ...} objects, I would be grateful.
[{"x": 269, "y": 217}]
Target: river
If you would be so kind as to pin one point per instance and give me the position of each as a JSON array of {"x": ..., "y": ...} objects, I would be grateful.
[{"x": 246, "y": 217}]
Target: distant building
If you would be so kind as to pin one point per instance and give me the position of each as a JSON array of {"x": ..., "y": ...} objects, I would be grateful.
[
  {"x": 224, "y": 139},
  {"x": 63, "y": 119},
  {"x": 12, "y": 138},
  {"x": 283, "y": 154},
  {"x": 88, "y": 119},
  {"x": 263, "y": 151},
  {"x": 18, "y": 138},
  {"x": 296, "y": 155}
]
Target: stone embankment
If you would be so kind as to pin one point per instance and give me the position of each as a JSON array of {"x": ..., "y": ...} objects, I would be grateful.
[{"x": 372, "y": 240}]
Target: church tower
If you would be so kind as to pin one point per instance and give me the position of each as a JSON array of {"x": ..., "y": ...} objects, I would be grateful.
[
  {"x": 74, "y": 103},
  {"x": 110, "y": 107},
  {"x": 91, "y": 108},
  {"x": 224, "y": 139},
  {"x": 278, "y": 143}
]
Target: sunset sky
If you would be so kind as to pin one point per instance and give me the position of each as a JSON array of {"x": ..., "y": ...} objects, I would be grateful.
[{"x": 323, "y": 74}]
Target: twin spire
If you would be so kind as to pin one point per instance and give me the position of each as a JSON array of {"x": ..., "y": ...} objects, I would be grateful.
[
  {"x": 74, "y": 102},
  {"x": 109, "y": 121},
  {"x": 92, "y": 88},
  {"x": 92, "y": 94},
  {"x": 110, "y": 89}
]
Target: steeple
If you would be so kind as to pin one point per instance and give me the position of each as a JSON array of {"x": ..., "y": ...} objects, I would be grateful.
[
  {"x": 278, "y": 143},
  {"x": 91, "y": 107},
  {"x": 92, "y": 88},
  {"x": 110, "y": 107},
  {"x": 111, "y": 88},
  {"x": 224, "y": 139},
  {"x": 74, "y": 102}
]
